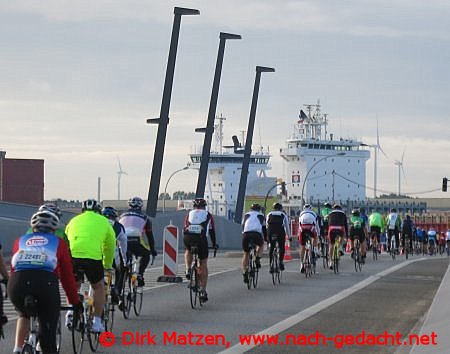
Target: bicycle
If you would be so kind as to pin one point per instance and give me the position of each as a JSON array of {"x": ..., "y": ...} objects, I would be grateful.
[
  {"x": 309, "y": 258},
  {"x": 335, "y": 254},
  {"x": 81, "y": 326},
  {"x": 393, "y": 247},
  {"x": 431, "y": 247},
  {"x": 194, "y": 281},
  {"x": 31, "y": 344},
  {"x": 375, "y": 245},
  {"x": 252, "y": 269},
  {"x": 441, "y": 247},
  {"x": 357, "y": 256},
  {"x": 407, "y": 247},
  {"x": 324, "y": 247},
  {"x": 132, "y": 293},
  {"x": 275, "y": 260},
  {"x": 3, "y": 320},
  {"x": 109, "y": 308}
]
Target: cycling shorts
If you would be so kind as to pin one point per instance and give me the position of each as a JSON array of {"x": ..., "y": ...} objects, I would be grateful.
[
  {"x": 92, "y": 268},
  {"x": 375, "y": 231},
  {"x": 251, "y": 237},
  {"x": 357, "y": 233},
  {"x": 198, "y": 241},
  {"x": 335, "y": 231},
  {"x": 306, "y": 230}
]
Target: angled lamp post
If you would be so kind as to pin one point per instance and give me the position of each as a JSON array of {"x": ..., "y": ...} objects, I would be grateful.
[
  {"x": 311, "y": 168},
  {"x": 209, "y": 130},
  {"x": 163, "y": 119},
  {"x": 248, "y": 144}
]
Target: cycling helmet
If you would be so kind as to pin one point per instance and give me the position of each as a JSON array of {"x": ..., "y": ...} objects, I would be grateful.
[
  {"x": 136, "y": 203},
  {"x": 90, "y": 204},
  {"x": 277, "y": 206},
  {"x": 255, "y": 207},
  {"x": 109, "y": 212},
  {"x": 44, "y": 220},
  {"x": 199, "y": 203},
  {"x": 327, "y": 205},
  {"x": 52, "y": 208},
  {"x": 307, "y": 207},
  {"x": 337, "y": 207},
  {"x": 393, "y": 210},
  {"x": 355, "y": 212}
]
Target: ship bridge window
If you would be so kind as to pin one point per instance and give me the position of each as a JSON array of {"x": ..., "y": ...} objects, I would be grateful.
[
  {"x": 328, "y": 147},
  {"x": 322, "y": 147},
  {"x": 304, "y": 145}
]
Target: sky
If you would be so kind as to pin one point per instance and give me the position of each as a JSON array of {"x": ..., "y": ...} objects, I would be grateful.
[{"x": 80, "y": 78}]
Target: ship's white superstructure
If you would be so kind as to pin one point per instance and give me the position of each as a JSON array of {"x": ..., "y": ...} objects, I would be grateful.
[
  {"x": 224, "y": 172},
  {"x": 320, "y": 167}
]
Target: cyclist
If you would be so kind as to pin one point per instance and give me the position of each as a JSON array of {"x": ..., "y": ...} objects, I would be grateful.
[
  {"x": 358, "y": 229},
  {"x": 50, "y": 260},
  {"x": 278, "y": 224},
  {"x": 254, "y": 231},
  {"x": 138, "y": 229},
  {"x": 120, "y": 258},
  {"x": 307, "y": 226},
  {"x": 393, "y": 223},
  {"x": 197, "y": 225},
  {"x": 60, "y": 232},
  {"x": 376, "y": 227},
  {"x": 431, "y": 239},
  {"x": 4, "y": 275},
  {"x": 324, "y": 230},
  {"x": 407, "y": 232},
  {"x": 337, "y": 228},
  {"x": 92, "y": 243}
]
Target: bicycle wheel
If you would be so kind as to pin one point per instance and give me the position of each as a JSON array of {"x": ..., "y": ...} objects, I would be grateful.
[
  {"x": 93, "y": 337},
  {"x": 375, "y": 251},
  {"x": 78, "y": 329},
  {"x": 279, "y": 271},
  {"x": 127, "y": 297},
  {"x": 307, "y": 263},
  {"x": 108, "y": 316},
  {"x": 336, "y": 258},
  {"x": 28, "y": 349},
  {"x": 138, "y": 299},
  {"x": 393, "y": 249},
  {"x": 193, "y": 286},
  {"x": 255, "y": 272},
  {"x": 58, "y": 335},
  {"x": 325, "y": 255},
  {"x": 250, "y": 270},
  {"x": 274, "y": 268}
]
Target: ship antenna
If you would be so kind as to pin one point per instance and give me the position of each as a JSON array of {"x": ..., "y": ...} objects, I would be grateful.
[{"x": 219, "y": 132}]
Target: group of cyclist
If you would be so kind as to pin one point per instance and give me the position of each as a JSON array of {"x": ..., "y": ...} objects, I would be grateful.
[{"x": 92, "y": 243}]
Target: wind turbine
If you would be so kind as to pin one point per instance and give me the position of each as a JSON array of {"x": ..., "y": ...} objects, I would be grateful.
[
  {"x": 399, "y": 164},
  {"x": 119, "y": 176},
  {"x": 376, "y": 147}
]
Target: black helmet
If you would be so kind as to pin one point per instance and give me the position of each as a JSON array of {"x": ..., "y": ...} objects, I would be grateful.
[
  {"x": 109, "y": 212},
  {"x": 136, "y": 203},
  {"x": 44, "y": 221},
  {"x": 52, "y": 208},
  {"x": 277, "y": 206},
  {"x": 393, "y": 210},
  {"x": 337, "y": 207},
  {"x": 199, "y": 203},
  {"x": 307, "y": 207},
  {"x": 255, "y": 207},
  {"x": 356, "y": 212},
  {"x": 90, "y": 204},
  {"x": 327, "y": 205}
]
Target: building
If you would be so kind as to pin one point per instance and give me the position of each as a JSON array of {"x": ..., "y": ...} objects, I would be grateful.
[{"x": 21, "y": 180}]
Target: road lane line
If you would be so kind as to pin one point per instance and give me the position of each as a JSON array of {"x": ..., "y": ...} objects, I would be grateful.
[{"x": 311, "y": 311}]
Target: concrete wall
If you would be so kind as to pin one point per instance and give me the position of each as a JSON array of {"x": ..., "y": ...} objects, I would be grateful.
[{"x": 14, "y": 221}]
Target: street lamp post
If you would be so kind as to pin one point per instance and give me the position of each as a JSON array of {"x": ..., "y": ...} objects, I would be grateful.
[
  {"x": 311, "y": 168},
  {"x": 165, "y": 188}
]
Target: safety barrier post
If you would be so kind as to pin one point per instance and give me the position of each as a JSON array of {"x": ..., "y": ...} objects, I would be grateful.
[{"x": 170, "y": 255}]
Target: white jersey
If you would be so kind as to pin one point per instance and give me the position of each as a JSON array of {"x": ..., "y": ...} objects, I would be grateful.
[
  {"x": 447, "y": 235},
  {"x": 308, "y": 217},
  {"x": 254, "y": 222}
]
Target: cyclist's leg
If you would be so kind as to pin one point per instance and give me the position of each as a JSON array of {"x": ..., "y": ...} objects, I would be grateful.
[
  {"x": 203, "y": 256},
  {"x": 302, "y": 243},
  {"x": 187, "y": 240},
  {"x": 259, "y": 241},
  {"x": 95, "y": 275},
  {"x": 281, "y": 244},
  {"x": 17, "y": 292},
  {"x": 49, "y": 312},
  {"x": 246, "y": 249},
  {"x": 397, "y": 239}
]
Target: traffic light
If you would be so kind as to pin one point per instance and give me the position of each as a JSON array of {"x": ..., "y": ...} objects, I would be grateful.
[
  {"x": 444, "y": 184},
  {"x": 283, "y": 188}
]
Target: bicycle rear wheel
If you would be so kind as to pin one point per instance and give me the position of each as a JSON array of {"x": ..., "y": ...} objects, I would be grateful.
[
  {"x": 255, "y": 272},
  {"x": 193, "y": 286},
  {"x": 28, "y": 349},
  {"x": 78, "y": 329},
  {"x": 127, "y": 297},
  {"x": 274, "y": 268},
  {"x": 307, "y": 263},
  {"x": 108, "y": 316},
  {"x": 138, "y": 299},
  {"x": 93, "y": 337},
  {"x": 325, "y": 256},
  {"x": 336, "y": 258}
]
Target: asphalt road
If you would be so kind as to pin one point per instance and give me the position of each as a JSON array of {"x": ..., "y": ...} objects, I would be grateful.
[{"x": 387, "y": 296}]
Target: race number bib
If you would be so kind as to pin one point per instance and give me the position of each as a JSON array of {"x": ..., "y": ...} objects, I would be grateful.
[
  {"x": 31, "y": 257},
  {"x": 195, "y": 229}
]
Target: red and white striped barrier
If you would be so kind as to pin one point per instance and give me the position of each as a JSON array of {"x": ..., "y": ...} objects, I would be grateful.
[{"x": 170, "y": 255}]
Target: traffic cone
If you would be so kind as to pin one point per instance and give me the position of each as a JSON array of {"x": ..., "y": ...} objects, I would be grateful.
[{"x": 287, "y": 250}]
